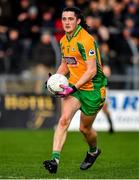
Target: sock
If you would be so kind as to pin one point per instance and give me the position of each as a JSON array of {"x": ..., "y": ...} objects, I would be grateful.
[
  {"x": 92, "y": 150},
  {"x": 56, "y": 156}
]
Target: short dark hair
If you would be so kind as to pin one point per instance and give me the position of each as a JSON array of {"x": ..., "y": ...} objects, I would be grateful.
[{"x": 79, "y": 15}]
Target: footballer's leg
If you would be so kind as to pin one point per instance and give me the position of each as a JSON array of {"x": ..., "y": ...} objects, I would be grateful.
[
  {"x": 69, "y": 106},
  {"x": 91, "y": 138},
  {"x": 107, "y": 113}
]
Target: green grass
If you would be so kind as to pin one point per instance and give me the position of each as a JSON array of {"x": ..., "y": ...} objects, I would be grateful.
[{"x": 23, "y": 151}]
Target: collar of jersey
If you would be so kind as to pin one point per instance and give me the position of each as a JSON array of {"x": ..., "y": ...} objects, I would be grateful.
[{"x": 78, "y": 28}]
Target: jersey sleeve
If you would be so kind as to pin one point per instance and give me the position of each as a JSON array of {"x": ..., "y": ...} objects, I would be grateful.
[{"x": 87, "y": 49}]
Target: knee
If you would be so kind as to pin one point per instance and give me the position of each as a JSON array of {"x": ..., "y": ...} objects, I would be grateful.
[
  {"x": 64, "y": 121},
  {"x": 84, "y": 130},
  {"x": 88, "y": 131}
]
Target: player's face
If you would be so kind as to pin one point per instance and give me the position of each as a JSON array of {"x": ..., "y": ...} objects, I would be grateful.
[{"x": 69, "y": 22}]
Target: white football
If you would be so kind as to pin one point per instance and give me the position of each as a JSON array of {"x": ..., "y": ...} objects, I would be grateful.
[{"x": 54, "y": 82}]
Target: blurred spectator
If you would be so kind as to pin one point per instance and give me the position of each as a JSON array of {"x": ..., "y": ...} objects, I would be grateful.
[
  {"x": 23, "y": 20},
  {"x": 47, "y": 21},
  {"x": 34, "y": 23},
  {"x": 114, "y": 18},
  {"x": 132, "y": 13},
  {"x": 105, "y": 55},
  {"x": 96, "y": 27},
  {"x": 3, "y": 60},
  {"x": 130, "y": 24},
  {"x": 44, "y": 59},
  {"x": 23, "y": 25},
  {"x": 6, "y": 13},
  {"x": 93, "y": 9},
  {"x": 90, "y": 21},
  {"x": 104, "y": 6},
  {"x": 134, "y": 68},
  {"x": 126, "y": 2},
  {"x": 123, "y": 50},
  {"x": 129, "y": 55},
  {"x": 69, "y": 3},
  {"x": 82, "y": 4},
  {"x": 14, "y": 52},
  {"x": 102, "y": 30}
]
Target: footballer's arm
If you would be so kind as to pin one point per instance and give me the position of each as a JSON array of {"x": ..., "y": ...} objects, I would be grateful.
[
  {"x": 63, "y": 68},
  {"x": 89, "y": 73}
]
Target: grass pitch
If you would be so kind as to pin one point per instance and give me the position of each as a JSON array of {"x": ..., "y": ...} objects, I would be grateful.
[{"x": 23, "y": 151}]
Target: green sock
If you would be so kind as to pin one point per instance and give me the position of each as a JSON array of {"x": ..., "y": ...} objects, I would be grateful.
[
  {"x": 92, "y": 149},
  {"x": 56, "y": 155}
]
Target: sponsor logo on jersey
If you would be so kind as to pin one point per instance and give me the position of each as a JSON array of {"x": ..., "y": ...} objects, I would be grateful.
[
  {"x": 73, "y": 49},
  {"x": 70, "y": 60},
  {"x": 91, "y": 52}
]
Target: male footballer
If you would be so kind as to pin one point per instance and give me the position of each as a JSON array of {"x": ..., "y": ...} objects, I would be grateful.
[{"x": 86, "y": 90}]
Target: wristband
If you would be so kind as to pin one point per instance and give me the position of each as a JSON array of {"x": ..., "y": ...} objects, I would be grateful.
[{"x": 74, "y": 89}]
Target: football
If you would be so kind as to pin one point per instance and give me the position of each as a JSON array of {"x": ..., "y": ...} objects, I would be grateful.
[{"x": 54, "y": 82}]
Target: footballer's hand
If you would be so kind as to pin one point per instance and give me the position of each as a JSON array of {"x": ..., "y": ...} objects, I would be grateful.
[
  {"x": 49, "y": 75},
  {"x": 66, "y": 90}
]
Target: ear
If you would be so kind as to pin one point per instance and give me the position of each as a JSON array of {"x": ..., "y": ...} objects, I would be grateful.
[{"x": 78, "y": 21}]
